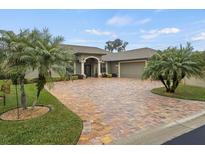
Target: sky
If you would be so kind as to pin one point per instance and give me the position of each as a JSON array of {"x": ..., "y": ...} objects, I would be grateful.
[{"x": 156, "y": 29}]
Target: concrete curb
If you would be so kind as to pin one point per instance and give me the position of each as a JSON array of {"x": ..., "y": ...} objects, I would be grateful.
[{"x": 159, "y": 135}]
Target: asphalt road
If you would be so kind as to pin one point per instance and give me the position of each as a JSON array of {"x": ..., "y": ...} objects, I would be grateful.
[{"x": 194, "y": 137}]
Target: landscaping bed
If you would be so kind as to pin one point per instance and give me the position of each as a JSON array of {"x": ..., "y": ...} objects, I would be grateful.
[
  {"x": 22, "y": 114},
  {"x": 183, "y": 92},
  {"x": 59, "y": 126}
]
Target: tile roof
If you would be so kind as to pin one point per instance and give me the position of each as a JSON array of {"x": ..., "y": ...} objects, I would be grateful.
[
  {"x": 141, "y": 53},
  {"x": 77, "y": 49}
]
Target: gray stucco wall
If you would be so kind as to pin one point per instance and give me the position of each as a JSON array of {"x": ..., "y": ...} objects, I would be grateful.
[
  {"x": 78, "y": 68},
  {"x": 195, "y": 82},
  {"x": 34, "y": 74},
  {"x": 112, "y": 67}
]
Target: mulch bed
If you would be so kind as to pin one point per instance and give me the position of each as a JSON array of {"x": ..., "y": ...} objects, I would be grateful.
[{"x": 25, "y": 114}]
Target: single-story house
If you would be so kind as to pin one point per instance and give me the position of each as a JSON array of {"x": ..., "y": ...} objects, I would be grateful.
[{"x": 93, "y": 61}]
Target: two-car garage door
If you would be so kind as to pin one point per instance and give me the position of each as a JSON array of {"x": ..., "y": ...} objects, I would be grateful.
[{"x": 132, "y": 69}]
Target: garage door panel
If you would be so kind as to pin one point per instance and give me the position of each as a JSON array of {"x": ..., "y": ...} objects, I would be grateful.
[{"x": 132, "y": 69}]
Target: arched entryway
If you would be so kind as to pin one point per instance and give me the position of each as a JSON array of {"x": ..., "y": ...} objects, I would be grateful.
[{"x": 91, "y": 67}]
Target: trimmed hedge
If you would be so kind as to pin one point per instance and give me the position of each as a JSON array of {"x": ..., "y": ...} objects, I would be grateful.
[
  {"x": 114, "y": 75},
  {"x": 104, "y": 75}
]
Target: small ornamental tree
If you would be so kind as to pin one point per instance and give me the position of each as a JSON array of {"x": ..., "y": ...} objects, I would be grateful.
[
  {"x": 18, "y": 57},
  {"x": 172, "y": 65},
  {"x": 49, "y": 57}
]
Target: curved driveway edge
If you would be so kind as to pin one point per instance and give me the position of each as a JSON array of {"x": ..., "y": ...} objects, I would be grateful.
[{"x": 116, "y": 108}]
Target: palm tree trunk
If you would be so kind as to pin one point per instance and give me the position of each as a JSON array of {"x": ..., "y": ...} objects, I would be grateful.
[
  {"x": 174, "y": 86},
  {"x": 175, "y": 83},
  {"x": 168, "y": 85},
  {"x": 17, "y": 101},
  {"x": 23, "y": 94},
  {"x": 162, "y": 80},
  {"x": 40, "y": 85},
  {"x": 37, "y": 98}
]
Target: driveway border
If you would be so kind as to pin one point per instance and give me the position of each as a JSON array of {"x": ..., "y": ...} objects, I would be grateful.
[{"x": 162, "y": 134}]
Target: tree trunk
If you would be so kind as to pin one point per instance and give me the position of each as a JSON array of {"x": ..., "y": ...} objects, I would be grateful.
[
  {"x": 23, "y": 94},
  {"x": 37, "y": 98},
  {"x": 17, "y": 101},
  {"x": 172, "y": 90},
  {"x": 168, "y": 86},
  {"x": 175, "y": 83},
  {"x": 40, "y": 85},
  {"x": 162, "y": 80}
]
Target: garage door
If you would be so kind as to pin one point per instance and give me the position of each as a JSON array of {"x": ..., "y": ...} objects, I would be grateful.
[{"x": 132, "y": 69}]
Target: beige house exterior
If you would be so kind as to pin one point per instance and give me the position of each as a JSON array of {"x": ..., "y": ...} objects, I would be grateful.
[
  {"x": 195, "y": 82},
  {"x": 93, "y": 61}
]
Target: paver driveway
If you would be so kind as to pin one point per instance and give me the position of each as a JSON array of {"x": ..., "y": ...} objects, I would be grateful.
[{"x": 113, "y": 108}]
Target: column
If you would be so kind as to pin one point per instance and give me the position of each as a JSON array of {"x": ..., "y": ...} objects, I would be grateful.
[
  {"x": 82, "y": 68},
  {"x": 106, "y": 67},
  {"x": 99, "y": 69},
  {"x": 74, "y": 68},
  {"x": 145, "y": 63},
  {"x": 118, "y": 69}
]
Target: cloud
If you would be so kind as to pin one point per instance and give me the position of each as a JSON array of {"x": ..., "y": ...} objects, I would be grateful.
[
  {"x": 199, "y": 37},
  {"x": 144, "y": 21},
  {"x": 169, "y": 30},
  {"x": 126, "y": 20},
  {"x": 159, "y": 10},
  {"x": 157, "y": 32},
  {"x": 120, "y": 21},
  {"x": 100, "y": 33}
]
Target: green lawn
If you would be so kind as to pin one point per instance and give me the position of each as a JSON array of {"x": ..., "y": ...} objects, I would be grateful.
[
  {"x": 183, "y": 92},
  {"x": 60, "y": 126}
]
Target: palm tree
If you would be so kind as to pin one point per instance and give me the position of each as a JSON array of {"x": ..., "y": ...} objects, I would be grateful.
[
  {"x": 2, "y": 57},
  {"x": 200, "y": 57},
  {"x": 172, "y": 65},
  {"x": 19, "y": 57},
  {"x": 50, "y": 57}
]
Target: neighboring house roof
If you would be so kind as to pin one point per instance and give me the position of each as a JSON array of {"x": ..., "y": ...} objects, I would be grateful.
[
  {"x": 77, "y": 49},
  {"x": 142, "y": 53}
]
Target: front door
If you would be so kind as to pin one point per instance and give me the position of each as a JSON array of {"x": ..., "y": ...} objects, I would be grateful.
[{"x": 88, "y": 70}]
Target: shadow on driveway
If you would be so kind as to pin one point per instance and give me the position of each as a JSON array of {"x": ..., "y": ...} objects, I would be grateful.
[{"x": 194, "y": 137}]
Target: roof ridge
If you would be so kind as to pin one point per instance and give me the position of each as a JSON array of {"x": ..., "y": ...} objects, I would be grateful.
[
  {"x": 80, "y": 46},
  {"x": 141, "y": 48}
]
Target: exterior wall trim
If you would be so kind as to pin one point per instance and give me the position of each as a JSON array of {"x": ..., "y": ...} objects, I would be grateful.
[
  {"x": 92, "y": 57},
  {"x": 118, "y": 69},
  {"x": 131, "y": 61}
]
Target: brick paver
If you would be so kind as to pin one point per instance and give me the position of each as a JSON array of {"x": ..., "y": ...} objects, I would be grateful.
[{"x": 113, "y": 108}]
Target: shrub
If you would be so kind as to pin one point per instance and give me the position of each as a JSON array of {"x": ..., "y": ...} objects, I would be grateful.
[
  {"x": 56, "y": 79},
  {"x": 80, "y": 76},
  {"x": 109, "y": 75},
  {"x": 74, "y": 77},
  {"x": 2, "y": 77},
  {"x": 114, "y": 75},
  {"x": 104, "y": 75},
  {"x": 34, "y": 80}
]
